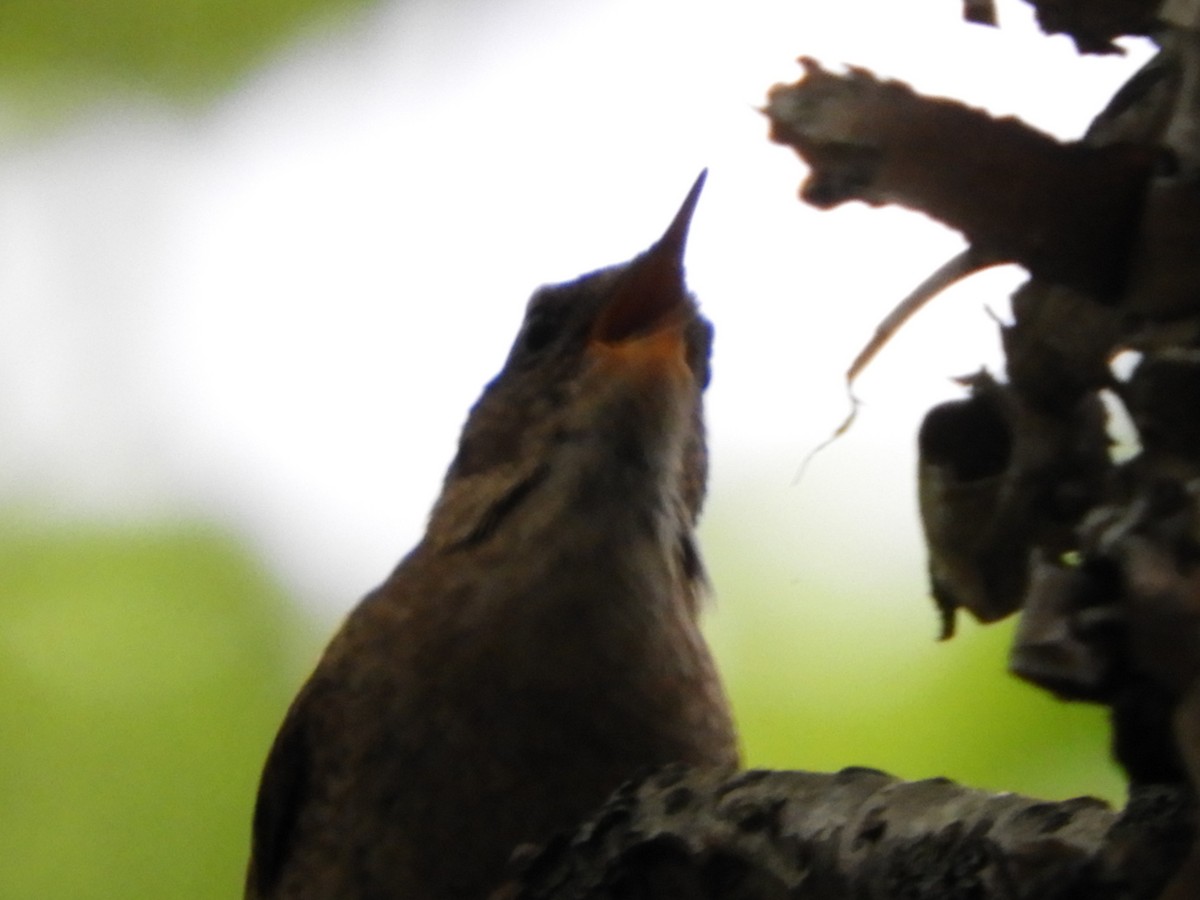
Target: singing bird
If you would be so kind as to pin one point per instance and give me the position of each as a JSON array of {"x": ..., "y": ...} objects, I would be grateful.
[{"x": 540, "y": 644}]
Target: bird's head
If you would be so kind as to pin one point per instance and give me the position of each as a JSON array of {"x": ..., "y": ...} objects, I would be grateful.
[{"x": 601, "y": 392}]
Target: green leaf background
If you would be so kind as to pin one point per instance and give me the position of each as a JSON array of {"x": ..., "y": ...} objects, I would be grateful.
[
  {"x": 57, "y": 53},
  {"x": 143, "y": 673}
]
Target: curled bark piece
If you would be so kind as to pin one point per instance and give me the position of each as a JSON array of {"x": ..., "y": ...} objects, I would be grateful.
[
  {"x": 948, "y": 274},
  {"x": 995, "y": 480},
  {"x": 856, "y": 833},
  {"x": 1064, "y": 211}
]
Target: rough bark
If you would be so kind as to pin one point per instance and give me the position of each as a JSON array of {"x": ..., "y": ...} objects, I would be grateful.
[{"x": 857, "y": 833}]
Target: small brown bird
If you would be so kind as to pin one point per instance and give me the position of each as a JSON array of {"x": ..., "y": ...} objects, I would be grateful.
[{"x": 540, "y": 645}]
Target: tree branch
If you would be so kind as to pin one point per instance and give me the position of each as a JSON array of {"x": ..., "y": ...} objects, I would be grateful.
[{"x": 857, "y": 833}]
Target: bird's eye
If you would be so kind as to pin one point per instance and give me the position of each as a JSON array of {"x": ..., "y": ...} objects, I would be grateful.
[{"x": 542, "y": 328}]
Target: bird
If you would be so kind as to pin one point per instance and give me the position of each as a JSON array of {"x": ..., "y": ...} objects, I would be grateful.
[{"x": 540, "y": 645}]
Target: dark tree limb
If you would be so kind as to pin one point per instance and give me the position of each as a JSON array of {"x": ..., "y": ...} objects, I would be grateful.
[
  {"x": 1065, "y": 211},
  {"x": 856, "y": 834}
]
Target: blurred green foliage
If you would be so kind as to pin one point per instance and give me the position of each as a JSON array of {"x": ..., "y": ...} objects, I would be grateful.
[
  {"x": 143, "y": 673},
  {"x": 821, "y": 680},
  {"x": 142, "y": 676},
  {"x": 55, "y": 52}
]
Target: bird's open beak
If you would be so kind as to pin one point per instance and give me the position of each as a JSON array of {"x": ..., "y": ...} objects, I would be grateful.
[{"x": 651, "y": 306}]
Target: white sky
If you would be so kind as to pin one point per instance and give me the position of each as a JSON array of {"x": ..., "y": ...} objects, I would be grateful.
[{"x": 276, "y": 312}]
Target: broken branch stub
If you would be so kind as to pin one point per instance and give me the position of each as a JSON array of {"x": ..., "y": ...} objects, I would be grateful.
[{"x": 1065, "y": 211}]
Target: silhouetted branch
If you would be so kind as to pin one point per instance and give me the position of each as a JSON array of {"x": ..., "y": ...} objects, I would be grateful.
[{"x": 857, "y": 833}]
